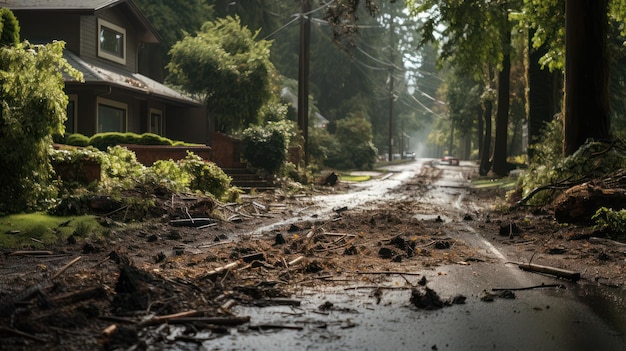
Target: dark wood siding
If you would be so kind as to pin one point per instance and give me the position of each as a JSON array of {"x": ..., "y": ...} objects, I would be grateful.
[
  {"x": 89, "y": 37},
  {"x": 39, "y": 28}
]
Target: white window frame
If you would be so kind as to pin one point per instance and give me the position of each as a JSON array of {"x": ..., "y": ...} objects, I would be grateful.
[
  {"x": 162, "y": 124},
  {"x": 106, "y": 54},
  {"x": 114, "y": 104}
]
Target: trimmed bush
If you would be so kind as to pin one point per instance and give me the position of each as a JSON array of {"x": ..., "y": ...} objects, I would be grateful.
[{"x": 265, "y": 147}]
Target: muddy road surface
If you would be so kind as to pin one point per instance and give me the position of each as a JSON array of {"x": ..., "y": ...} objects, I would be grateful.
[{"x": 415, "y": 259}]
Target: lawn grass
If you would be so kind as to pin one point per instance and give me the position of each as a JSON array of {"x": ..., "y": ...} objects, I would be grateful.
[
  {"x": 38, "y": 229},
  {"x": 355, "y": 178},
  {"x": 507, "y": 183}
]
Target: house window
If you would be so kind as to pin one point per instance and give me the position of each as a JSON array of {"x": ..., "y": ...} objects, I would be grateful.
[
  {"x": 112, "y": 42},
  {"x": 156, "y": 122},
  {"x": 111, "y": 116},
  {"x": 70, "y": 122}
]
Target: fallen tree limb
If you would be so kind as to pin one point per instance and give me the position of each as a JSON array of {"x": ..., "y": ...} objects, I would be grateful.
[
  {"x": 557, "y": 272},
  {"x": 560, "y": 286}
]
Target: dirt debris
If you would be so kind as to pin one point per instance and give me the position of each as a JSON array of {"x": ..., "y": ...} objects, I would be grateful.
[{"x": 132, "y": 287}]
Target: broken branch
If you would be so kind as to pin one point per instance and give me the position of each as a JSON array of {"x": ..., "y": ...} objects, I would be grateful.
[{"x": 557, "y": 272}]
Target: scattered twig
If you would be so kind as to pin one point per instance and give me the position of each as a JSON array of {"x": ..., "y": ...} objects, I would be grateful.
[
  {"x": 167, "y": 318},
  {"x": 115, "y": 211},
  {"x": 274, "y": 326},
  {"x": 379, "y": 287},
  {"x": 57, "y": 274},
  {"x": 604, "y": 241},
  {"x": 30, "y": 253},
  {"x": 295, "y": 260},
  {"x": 211, "y": 320},
  {"x": 389, "y": 272},
  {"x": 21, "y": 333}
]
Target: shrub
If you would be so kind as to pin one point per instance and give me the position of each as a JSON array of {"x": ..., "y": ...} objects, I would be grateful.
[
  {"x": 207, "y": 177},
  {"x": 77, "y": 139},
  {"x": 32, "y": 108},
  {"x": 102, "y": 141},
  {"x": 265, "y": 147}
]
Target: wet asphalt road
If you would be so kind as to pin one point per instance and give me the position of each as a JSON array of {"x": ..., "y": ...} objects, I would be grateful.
[{"x": 567, "y": 318}]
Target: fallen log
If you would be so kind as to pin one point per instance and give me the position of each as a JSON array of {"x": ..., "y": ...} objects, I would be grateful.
[{"x": 557, "y": 272}]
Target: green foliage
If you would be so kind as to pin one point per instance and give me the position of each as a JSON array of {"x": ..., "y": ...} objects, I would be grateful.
[
  {"x": 33, "y": 106},
  {"x": 102, "y": 141},
  {"x": 10, "y": 33},
  {"x": 49, "y": 229},
  {"x": 225, "y": 66},
  {"x": 207, "y": 177},
  {"x": 354, "y": 147},
  {"x": 265, "y": 147},
  {"x": 120, "y": 168},
  {"x": 169, "y": 174},
  {"x": 593, "y": 159},
  {"x": 610, "y": 220},
  {"x": 77, "y": 139}
]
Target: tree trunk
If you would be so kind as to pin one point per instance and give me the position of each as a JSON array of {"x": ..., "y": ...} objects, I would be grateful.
[
  {"x": 500, "y": 166},
  {"x": 586, "y": 73},
  {"x": 540, "y": 95},
  {"x": 484, "y": 157},
  {"x": 481, "y": 132}
]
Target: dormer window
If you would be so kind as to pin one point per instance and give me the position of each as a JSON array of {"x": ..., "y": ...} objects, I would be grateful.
[{"x": 111, "y": 42}]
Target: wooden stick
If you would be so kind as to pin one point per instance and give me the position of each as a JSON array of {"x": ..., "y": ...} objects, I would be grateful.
[
  {"x": 220, "y": 269},
  {"x": 30, "y": 253},
  {"x": 110, "y": 330},
  {"x": 274, "y": 326},
  {"x": 558, "y": 272},
  {"x": 212, "y": 320},
  {"x": 166, "y": 318},
  {"x": 21, "y": 333},
  {"x": 389, "y": 272},
  {"x": 294, "y": 261},
  {"x": 66, "y": 267}
]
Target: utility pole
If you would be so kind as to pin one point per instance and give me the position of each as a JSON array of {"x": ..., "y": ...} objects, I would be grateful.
[
  {"x": 391, "y": 95},
  {"x": 303, "y": 75}
]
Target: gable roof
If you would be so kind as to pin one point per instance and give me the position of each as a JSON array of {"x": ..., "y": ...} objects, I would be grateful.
[
  {"x": 86, "y": 7},
  {"x": 96, "y": 73}
]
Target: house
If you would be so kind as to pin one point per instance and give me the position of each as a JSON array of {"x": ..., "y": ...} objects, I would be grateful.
[{"x": 103, "y": 40}]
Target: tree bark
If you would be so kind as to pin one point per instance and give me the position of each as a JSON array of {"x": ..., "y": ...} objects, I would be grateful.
[
  {"x": 486, "y": 138},
  {"x": 541, "y": 95},
  {"x": 500, "y": 166},
  {"x": 586, "y": 73}
]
